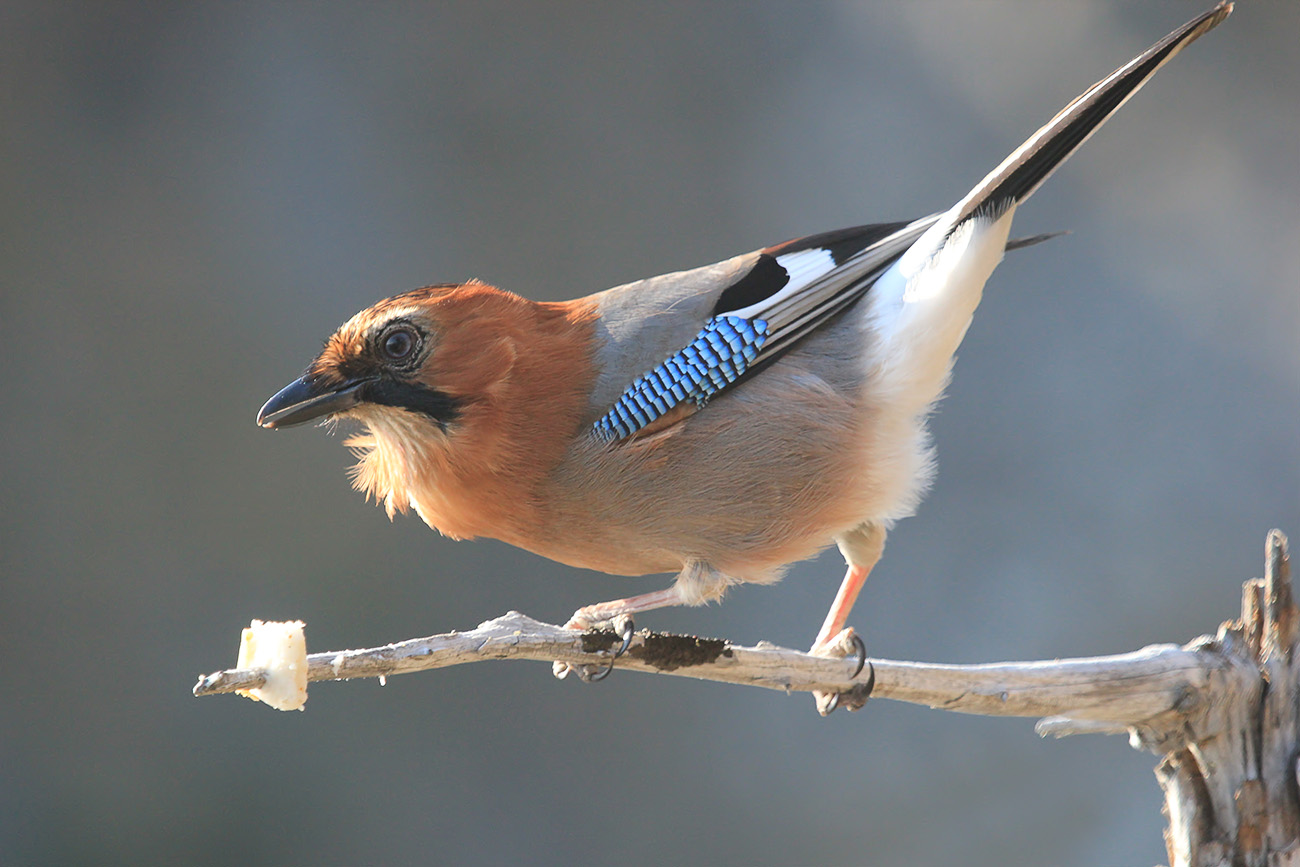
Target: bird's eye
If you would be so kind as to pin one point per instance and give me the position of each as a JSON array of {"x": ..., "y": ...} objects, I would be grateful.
[{"x": 398, "y": 344}]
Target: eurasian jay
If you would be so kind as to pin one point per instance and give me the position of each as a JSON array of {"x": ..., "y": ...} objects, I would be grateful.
[{"x": 720, "y": 423}]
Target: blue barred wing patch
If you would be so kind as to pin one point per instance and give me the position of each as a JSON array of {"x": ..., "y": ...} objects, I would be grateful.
[{"x": 718, "y": 356}]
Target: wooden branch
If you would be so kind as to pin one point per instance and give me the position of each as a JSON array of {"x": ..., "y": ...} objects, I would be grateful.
[
  {"x": 1223, "y": 710},
  {"x": 1107, "y": 693},
  {"x": 1230, "y": 779}
]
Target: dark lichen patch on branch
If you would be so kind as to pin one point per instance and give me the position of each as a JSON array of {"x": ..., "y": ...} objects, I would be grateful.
[
  {"x": 599, "y": 640},
  {"x": 671, "y": 652}
]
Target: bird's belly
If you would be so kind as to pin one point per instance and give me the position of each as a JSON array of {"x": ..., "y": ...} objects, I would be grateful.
[{"x": 761, "y": 477}]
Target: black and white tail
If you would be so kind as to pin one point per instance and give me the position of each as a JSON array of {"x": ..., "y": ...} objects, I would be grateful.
[{"x": 922, "y": 304}]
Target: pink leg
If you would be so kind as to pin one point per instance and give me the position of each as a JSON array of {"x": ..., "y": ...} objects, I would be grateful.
[
  {"x": 843, "y": 604},
  {"x": 603, "y": 612},
  {"x": 861, "y": 548}
]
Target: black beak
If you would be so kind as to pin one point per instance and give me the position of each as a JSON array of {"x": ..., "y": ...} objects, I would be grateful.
[{"x": 302, "y": 401}]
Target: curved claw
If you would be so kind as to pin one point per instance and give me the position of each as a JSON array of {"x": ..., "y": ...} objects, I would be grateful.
[
  {"x": 862, "y": 659},
  {"x": 625, "y": 627},
  {"x": 858, "y": 695},
  {"x": 598, "y": 676}
]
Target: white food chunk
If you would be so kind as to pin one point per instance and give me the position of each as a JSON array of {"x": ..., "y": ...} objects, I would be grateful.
[{"x": 280, "y": 650}]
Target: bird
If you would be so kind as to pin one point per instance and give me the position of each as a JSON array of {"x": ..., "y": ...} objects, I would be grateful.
[{"x": 719, "y": 423}]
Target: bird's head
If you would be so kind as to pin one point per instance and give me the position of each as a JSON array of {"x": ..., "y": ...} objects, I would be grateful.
[
  {"x": 386, "y": 358},
  {"x": 466, "y": 392}
]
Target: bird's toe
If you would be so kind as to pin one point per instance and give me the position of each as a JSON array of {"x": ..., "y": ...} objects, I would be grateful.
[
  {"x": 846, "y": 643},
  {"x": 622, "y": 626}
]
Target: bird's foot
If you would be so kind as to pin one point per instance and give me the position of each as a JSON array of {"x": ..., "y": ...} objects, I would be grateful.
[
  {"x": 846, "y": 643},
  {"x": 622, "y": 626}
]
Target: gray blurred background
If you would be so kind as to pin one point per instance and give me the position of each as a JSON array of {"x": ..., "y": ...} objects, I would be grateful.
[{"x": 197, "y": 194}]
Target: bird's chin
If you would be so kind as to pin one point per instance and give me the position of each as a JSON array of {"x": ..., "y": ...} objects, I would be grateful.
[{"x": 391, "y": 453}]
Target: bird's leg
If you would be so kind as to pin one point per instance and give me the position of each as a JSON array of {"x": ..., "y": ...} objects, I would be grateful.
[
  {"x": 602, "y": 613},
  {"x": 696, "y": 584},
  {"x": 617, "y": 613},
  {"x": 862, "y": 549},
  {"x": 840, "y": 609}
]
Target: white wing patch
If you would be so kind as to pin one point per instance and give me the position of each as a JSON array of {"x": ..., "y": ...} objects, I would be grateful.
[{"x": 803, "y": 267}]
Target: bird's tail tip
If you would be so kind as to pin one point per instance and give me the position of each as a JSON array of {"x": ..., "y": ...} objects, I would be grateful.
[{"x": 1025, "y": 170}]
